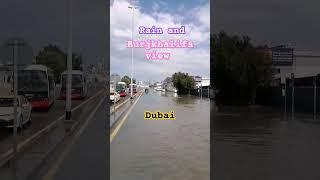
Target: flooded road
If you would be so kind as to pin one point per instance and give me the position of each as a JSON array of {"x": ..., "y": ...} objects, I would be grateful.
[
  {"x": 261, "y": 143},
  {"x": 163, "y": 149}
]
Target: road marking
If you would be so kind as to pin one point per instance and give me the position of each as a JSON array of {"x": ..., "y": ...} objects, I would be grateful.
[
  {"x": 115, "y": 131},
  {"x": 4, "y": 157},
  {"x": 77, "y": 107},
  {"x": 52, "y": 171}
]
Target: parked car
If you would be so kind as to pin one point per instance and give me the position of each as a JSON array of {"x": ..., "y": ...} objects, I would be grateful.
[
  {"x": 114, "y": 96},
  {"x": 24, "y": 109}
]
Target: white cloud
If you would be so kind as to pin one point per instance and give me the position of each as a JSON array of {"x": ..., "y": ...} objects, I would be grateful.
[{"x": 193, "y": 61}]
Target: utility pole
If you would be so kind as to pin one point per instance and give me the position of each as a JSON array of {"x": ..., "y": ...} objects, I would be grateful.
[
  {"x": 292, "y": 80},
  {"x": 69, "y": 63},
  {"x": 15, "y": 45},
  {"x": 285, "y": 96},
  {"x": 315, "y": 96}
]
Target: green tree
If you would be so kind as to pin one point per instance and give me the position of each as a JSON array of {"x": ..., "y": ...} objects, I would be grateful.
[
  {"x": 54, "y": 58},
  {"x": 183, "y": 82},
  {"x": 238, "y": 69},
  {"x": 127, "y": 80}
]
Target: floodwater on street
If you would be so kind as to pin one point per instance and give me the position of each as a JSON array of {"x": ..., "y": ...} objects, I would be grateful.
[
  {"x": 163, "y": 149},
  {"x": 261, "y": 143}
]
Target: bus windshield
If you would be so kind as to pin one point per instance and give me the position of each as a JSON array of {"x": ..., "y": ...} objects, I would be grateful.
[
  {"x": 76, "y": 81},
  {"x": 31, "y": 80},
  {"x": 120, "y": 87}
]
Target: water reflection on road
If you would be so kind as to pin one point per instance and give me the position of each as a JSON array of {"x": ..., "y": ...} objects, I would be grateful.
[
  {"x": 261, "y": 143},
  {"x": 177, "y": 149}
]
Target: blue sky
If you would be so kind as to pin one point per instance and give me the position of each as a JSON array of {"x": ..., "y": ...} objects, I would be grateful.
[
  {"x": 194, "y": 15},
  {"x": 170, "y": 6}
]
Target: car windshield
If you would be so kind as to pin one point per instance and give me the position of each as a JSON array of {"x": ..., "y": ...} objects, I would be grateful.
[
  {"x": 6, "y": 102},
  {"x": 32, "y": 80}
]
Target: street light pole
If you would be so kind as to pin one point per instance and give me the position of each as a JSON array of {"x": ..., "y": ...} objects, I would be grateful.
[
  {"x": 15, "y": 72},
  {"x": 131, "y": 79},
  {"x": 15, "y": 101},
  {"x": 69, "y": 63},
  {"x": 132, "y": 54}
]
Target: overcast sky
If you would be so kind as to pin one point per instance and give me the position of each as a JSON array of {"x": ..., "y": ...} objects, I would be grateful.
[
  {"x": 41, "y": 22},
  {"x": 194, "y": 15},
  {"x": 273, "y": 22}
]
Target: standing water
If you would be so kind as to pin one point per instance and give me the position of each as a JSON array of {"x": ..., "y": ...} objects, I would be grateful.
[
  {"x": 164, "y": 149},
  {"x": 260, "y": 143}
]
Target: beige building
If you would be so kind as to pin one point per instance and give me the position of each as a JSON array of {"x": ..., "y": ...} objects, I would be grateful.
[{"x": 305, "y": 64}]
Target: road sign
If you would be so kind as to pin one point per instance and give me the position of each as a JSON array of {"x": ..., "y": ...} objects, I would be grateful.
[{"x": 282, "y": 56}]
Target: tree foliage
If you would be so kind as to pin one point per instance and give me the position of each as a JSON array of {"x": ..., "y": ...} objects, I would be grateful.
[
  {"x": 238, "y": 69},
  {"x": 54, "y": 58},
  {"x": 183, "y": 82},
  {"x": 127, "y": 80}
]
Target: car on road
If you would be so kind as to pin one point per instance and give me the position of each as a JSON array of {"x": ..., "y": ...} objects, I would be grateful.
[
  {"x": 24, "y": 109},
  {"x": 114, "y": 96}
]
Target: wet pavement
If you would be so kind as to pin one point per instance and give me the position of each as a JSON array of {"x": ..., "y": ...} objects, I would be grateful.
[
  {"x": 87, "y": 156},
  {"x": 39, "y": 121},
  {"x": 163, "y": 149},
  {"x": 262, "y": 143},
  {"x": 37, "y": 151}
]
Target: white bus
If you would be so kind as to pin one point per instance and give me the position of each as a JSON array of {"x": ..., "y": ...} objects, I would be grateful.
[
  {"x": 36, "y": 83},
  {"x": 121, "y": 89},
  {"x": 79, "y": 87},
  {"x": 134, "y": 88}
]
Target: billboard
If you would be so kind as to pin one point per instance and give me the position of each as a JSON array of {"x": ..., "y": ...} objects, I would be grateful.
[{"x": 282, "y": 56}]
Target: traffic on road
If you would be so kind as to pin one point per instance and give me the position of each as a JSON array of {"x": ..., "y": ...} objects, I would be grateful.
[{"x": 40, "y": 102}]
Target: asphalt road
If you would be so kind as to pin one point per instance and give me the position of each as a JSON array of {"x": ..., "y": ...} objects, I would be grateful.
[
  {"x": 39, "y": 121},
  {"x": 85, "y": 155}
]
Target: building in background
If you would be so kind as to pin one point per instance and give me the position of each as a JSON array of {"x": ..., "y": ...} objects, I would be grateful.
[
  {"x": 288, "y": 62},
  {"x": 197, "y": 79}
]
